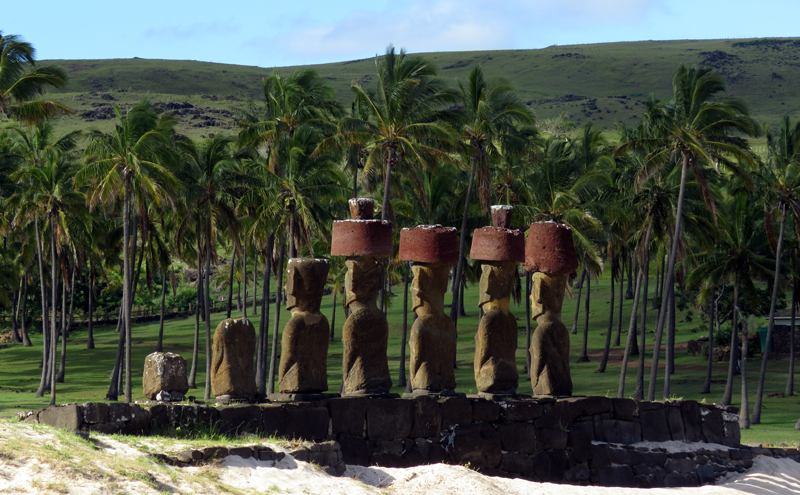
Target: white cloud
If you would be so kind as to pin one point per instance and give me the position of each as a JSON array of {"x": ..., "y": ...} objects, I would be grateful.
[{"x": 443, "y": 25}]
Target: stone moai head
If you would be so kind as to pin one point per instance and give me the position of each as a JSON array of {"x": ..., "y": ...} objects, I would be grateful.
[
  {"x": 362, "y": 280},
  {"x": 305, "y": 283},
  {"x": 547, "y": 294},
  {"x": 429, "y": 285},
  {"x": 497, "y": 281}
]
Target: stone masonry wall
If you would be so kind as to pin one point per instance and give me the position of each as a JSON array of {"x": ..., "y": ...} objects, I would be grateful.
[{"x": 578, "y": 440}]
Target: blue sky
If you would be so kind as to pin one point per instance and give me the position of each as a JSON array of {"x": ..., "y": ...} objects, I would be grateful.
[{"x": 269, "y": 33}]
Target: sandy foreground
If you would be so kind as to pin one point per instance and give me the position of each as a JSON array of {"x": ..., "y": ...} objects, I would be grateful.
[{"x": 40, "y": 459}]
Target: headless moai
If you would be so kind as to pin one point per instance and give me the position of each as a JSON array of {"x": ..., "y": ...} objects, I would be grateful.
[
  {"x": 550, "y": 256},
  {"x": 433, "y": 334},
  {"x": 304, "y": 343},
  {"x": 232, "y": 372},
  {"x": 365, "y": 242},
  {"x": 500, "y": 249}
]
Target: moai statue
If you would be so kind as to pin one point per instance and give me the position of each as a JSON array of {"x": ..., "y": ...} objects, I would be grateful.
[
  {"x": 233, "y": 375},
  {"x": 365, "y": 335},
  {"x": 499, "y": 248},
  {"x": 432, "y": 248},
  {"x": 550, "y": 256},
  {"x": 304, "y": 344}
]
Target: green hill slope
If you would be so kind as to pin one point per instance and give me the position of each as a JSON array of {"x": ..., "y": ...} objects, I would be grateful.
[{"x": 603, "y": 83}]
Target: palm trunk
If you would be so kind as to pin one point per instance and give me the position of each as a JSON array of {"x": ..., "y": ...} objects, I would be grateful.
[
  {"x": 113, "y": 386},
  {"x": 196, "y": 342},
  {"x": 90, "y": 297},
  {"x": 790, "y": 379},
  {"x": 26, "y": 340},
  {"x": 668, "y": 282},
  {"x": 707, "y": 384},
  {"x": 401, "y": 379},
  {"x": 53, "y": 298},
  {"x": 584, "y": 357},
  {"x": 629, "y": 290},
  {"x": 639, "y": 394},
  {"x": 278, "y": 306},
  {"x": 16, "y": 299},
  {"x": 756, "y": 419},
  {"x": 207, "y": 308},
  {"x": 244, "y": 276},
  {"x": 604, "y": 362},
  {"x": 671, "y": 320},
  {"x": 670, "y": 357},
  {"x": 621, "y": 301},
  {"x": 578, "y": 302},
  {"x": 255, "y": 281},
  {"x": 230, "y": 283},
  {"x": 744, "y": 410},
  {"x": 461, "y": 298},
  {"x": 44, "y": 381},
  {"x": 71, "y": 320},
  {"x": 160, "y": 345},
  {"x": 728, "y": 394},
  {"x": 631, "y": 339},
  {"x": 134, "y": 281},
  {"x": 454, "y": 310},
  {"x": 127, "y": 297},
  {"x": 261, "y": 378},
  {"x": 63, "y": 359}
]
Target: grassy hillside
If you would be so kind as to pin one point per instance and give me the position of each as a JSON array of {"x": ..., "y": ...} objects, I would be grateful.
[{"x": 602, "y": 83}]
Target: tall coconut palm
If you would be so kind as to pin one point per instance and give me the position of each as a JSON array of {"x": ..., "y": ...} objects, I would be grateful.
[
  {"x": 132, "y": 159},
  {"x": 51, "y": 190},
  {"x": 211, "y": 178},
  {"x": 738, "y": 255},
  {"x": 405, "y": 113},
  {"x": 296, "y": 199},
  {"x": 288, "y": 103},
  {"x": 490, "y": 113},
  {"x": 35, "y": 147},
  {"x": 21, "y": 82},
  {"x": 783, "y": 197},
  {"x": 698, "y": 128}
]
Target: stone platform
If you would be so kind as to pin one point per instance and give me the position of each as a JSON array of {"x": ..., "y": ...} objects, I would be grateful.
[{"x": 577, "y": 440}]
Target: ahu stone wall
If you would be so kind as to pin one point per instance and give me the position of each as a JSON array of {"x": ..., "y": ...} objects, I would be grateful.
[{"x": 578, "y": 440}]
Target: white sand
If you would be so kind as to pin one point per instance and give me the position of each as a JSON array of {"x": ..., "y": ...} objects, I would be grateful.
[{"x": 22, "y": 472}]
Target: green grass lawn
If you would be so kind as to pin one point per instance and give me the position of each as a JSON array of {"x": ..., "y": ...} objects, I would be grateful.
[{"x": 88, "y": 370}]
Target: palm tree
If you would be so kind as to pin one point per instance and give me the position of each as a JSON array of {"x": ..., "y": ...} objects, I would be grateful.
[
  {"x": 737, "y": 254},
  {"x": 288, "y": 103},
  {"x": 696, "y": 129},
  {"x": 405, "y": 113},
  {"x": 296, "y": 199},
  {"x": 489, "y": 116},
  {"x": 36, "y": 147},
  {"x": 19, "y": 86},
  {"x": 211, "y": 177},
  {"x": 51, "y": 190},
  {"x": 131, "y": 159},
  {"x": 783, "y": 196}
]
